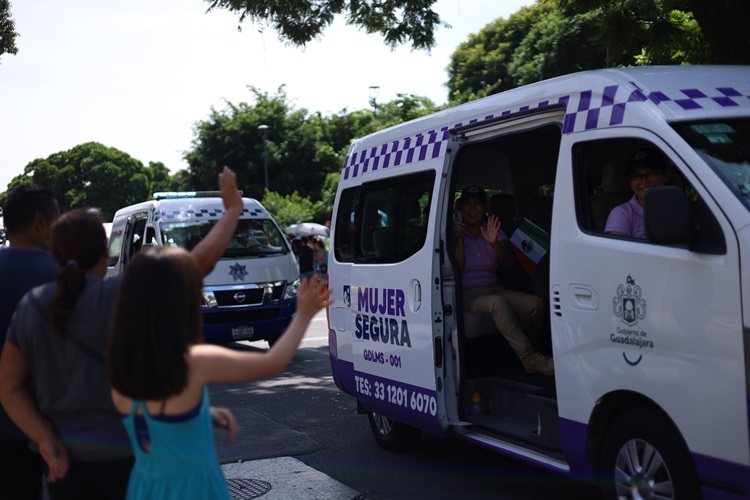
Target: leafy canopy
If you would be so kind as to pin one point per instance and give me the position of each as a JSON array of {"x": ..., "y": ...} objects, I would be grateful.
[
  {"x": 7, "y": 30},
  {"x": 300, "y": 21}
]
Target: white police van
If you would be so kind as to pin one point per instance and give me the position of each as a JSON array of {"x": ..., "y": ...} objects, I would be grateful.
[
  {"x": 251, "y": 293},
  {"x": 650, "y": 337}
]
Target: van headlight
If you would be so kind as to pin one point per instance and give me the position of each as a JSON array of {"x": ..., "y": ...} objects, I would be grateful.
[
  {"x": 209, "y": 299},
  {"x": 291, "y": 290}
]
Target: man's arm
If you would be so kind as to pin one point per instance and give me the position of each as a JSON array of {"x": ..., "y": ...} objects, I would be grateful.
[
  {"x": 212, "y": 247},
  {"x": 21, "y": 407}
]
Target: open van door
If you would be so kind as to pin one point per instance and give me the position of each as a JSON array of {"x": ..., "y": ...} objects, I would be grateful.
[{"x": 381, "y": 271}]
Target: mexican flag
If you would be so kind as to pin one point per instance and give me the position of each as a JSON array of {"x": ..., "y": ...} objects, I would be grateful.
[{"x": 530, "y": 244}]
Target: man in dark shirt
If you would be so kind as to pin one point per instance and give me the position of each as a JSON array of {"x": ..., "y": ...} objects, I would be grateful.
[
  {"x": 306, "y": 267},
  {"x": 28, "y": 215}
]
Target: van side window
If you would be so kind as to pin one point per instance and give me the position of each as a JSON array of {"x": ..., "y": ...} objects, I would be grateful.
[
  {"x": 136, "y": 237},
  {"x": 115, "y": 244},
  {"x": 603, "y": 171},
  {"x": 388, "y": 219},
  {"x": 344, "y": 234}
]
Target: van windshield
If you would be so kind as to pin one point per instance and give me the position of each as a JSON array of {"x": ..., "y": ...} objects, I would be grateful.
[
  {"x": 253, "y": 237},
  {"x": 725, "y": 146}
]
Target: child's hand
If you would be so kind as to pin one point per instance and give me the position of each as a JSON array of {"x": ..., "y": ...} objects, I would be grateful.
[
  {"x": 313, "y": 296},
  {"x": 224, "y": 419},
  {"x": 228, "y": 187}
]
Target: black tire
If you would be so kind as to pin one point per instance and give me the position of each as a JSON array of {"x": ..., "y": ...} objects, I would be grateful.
[
  {"x": 392, "y": 435},
  {"x": 643, "y": 456}
]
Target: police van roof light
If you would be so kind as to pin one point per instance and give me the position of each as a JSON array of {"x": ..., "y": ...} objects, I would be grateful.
[{"x": 166, "y": 195}]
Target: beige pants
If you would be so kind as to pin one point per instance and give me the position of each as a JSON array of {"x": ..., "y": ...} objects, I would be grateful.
[{"x": 504, "y": 305}]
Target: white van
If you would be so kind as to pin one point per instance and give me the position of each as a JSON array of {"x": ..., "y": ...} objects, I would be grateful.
[
  {"x": 251, "y": 293},
  {"x": 650, "y": 337}
]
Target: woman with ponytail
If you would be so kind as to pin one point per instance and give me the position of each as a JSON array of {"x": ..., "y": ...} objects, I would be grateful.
[
  {"x": 53, "y": 379},
  {"x": 54, "y": 347}
]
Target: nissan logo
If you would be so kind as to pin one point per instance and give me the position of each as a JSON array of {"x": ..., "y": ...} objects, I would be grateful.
[{"x": 239, "y": 297}]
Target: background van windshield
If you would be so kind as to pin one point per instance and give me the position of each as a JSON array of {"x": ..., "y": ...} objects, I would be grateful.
[{"x": 253, "y": 237}]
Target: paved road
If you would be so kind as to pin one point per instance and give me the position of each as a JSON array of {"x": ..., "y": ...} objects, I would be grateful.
[{"x": 306, "y": 435}]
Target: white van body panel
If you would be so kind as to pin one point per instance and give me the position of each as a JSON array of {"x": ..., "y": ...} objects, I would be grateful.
[{"x": 632, "y": 324}]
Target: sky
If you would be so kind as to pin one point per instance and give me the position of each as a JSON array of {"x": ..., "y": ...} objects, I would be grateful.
[{"x": 137, "y": 75}]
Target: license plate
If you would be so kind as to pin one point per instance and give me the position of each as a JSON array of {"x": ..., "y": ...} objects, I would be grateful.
[{"x": 242, "y": 332}]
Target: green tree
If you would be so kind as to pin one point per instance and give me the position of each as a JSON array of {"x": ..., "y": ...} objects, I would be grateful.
[
  {"x": 558, "y": 43},
  {"x": 403, "y": 108},
  {"x": 300, "y": 21},
  {"x": 289, "y": 209},
  {"x": 8, "y": 33},
  {"x": 90, "y": 174},
  {"x": 673, "y": 31},
  {"x": 231, "y": 137},
  {"x": 556, "y": 37},
  {"x": 480, "y": 66}
]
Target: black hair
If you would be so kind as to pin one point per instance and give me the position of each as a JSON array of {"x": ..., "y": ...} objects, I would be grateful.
[
  {"x": 24, "y": 202},
  {"x": 78, "y": 244}
]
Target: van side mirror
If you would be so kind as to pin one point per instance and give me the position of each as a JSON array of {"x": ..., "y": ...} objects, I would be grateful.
[{"x": 667, "y": 216}]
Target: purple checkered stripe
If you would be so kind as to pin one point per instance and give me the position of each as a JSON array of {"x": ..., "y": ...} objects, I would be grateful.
[
  {"x": 586, "y": 110},
  {"x": 204, "y": 213}
]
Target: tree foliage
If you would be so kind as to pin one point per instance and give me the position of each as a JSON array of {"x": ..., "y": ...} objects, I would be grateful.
[
  {"x": 92, "y": 174},
  {"x": 648, "y": 31},
  {"x": 289, "y": 209},
  {"x": 300, "y": 21},
  {"x": 305, "y": 151},
  {"x": 556, "y": 37},
  {"x": 231, "y": 137},
  {"x": 535, "y": 43},
  {"x": 8, "y": 33}
]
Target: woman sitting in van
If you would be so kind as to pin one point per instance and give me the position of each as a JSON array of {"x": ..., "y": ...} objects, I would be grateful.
[
  {"x": 646, "y": 169},
  {"x": 479, "y": 248}
]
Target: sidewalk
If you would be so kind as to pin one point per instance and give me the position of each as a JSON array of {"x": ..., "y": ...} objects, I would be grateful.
[{"x": 282, "y": 478}]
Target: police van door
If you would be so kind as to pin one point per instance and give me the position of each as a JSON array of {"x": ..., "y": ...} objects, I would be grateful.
[{"x": 389, "y": 295}]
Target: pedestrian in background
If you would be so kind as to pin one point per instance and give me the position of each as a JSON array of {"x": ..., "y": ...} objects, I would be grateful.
[
  {"x": 26, "y": 262},
  {"x": 321, "y": 258},
  {"x": 159, "y": 369},
  {"x": 306, "y": 259}
]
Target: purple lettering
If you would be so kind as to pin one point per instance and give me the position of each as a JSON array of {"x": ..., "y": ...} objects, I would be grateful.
[{"x": 400, "y": 300}]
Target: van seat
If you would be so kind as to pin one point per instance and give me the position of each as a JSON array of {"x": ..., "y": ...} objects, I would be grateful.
[{"x": 615, "y": 190}]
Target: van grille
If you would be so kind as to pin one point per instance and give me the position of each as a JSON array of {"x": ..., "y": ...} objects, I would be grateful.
[
  {"x": 250, "y": 296},
  {"x": 228, "y": 297}
]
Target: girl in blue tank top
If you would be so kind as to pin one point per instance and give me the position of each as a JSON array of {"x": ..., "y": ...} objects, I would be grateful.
[{"x": 159, "y": 368}]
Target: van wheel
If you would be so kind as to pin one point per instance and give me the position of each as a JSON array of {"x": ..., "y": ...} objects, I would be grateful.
[
  {"x": 392, "y": 435},
  {"x": 643, "y": 456}
]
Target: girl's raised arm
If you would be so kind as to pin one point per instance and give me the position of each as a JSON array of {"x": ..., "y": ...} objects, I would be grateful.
[
  {"x": 212, "y": 247},
  {"x": 212, "y": 363}
]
